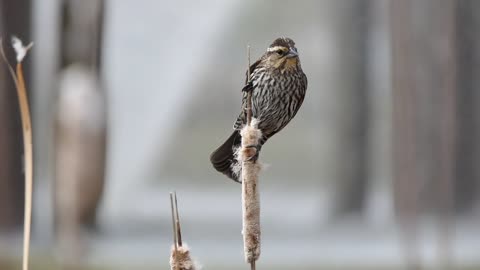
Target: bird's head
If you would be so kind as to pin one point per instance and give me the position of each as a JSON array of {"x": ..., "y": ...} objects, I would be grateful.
[{"x": 282, "y": 55}]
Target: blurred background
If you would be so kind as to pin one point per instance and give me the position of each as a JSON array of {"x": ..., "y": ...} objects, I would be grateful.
[{"x": 379, "y": 170}]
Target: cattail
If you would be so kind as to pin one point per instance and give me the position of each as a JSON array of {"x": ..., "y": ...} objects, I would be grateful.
[
  {"x": 250, "y": 169},
  {"x": 80, "y": 138},
  {"x": 250, "y": 194},
  {"x": 180, "y": 258},
  {"x": 180, "y": 255}
]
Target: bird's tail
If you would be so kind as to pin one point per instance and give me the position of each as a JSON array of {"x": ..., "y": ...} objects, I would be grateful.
[{"x": 224, "y": 160}]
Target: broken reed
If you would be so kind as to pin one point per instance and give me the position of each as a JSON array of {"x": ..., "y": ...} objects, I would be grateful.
[{"x": 180, "y": 258}]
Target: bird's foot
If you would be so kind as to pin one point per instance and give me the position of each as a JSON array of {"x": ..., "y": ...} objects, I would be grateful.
[
  {"x": 248, "y": 87},
  {"x": 250, "y": 152}
]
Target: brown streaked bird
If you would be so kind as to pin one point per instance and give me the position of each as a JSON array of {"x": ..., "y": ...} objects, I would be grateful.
[{"x": 278, "y": 84}]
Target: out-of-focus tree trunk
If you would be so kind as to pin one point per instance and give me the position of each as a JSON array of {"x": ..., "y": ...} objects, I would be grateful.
[
  {"x": 80, "y": 143},
  {"x": 467, "y": 185},
  {"x": 351, "y": 153},
  {"x": 403, "y": 131},
  {"x": 14, "y": 19},
  {"x": 425, "y": 90},
  {"x": 444, "y": 47},
  {"x": 379, "y": 205}
]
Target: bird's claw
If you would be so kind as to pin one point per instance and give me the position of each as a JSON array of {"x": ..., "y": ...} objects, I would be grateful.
[
  {"x": 248, "y": 87},
  {"x": 251, "y": 152}
]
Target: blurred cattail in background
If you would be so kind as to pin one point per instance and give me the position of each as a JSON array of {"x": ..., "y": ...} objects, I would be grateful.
[
  {"x": 80, "y": 153},
  {"x": 80, "y": 135}
]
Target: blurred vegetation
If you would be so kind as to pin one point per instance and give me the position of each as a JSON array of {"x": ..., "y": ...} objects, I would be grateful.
[{"x": 387, "y": 136}]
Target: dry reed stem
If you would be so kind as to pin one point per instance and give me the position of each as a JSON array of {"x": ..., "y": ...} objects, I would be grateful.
[
  {"x": 173, "y": 259},
  {"x": 27, "y": 140},
  {"x": 250, "y": 196},
  {"x": 177, "y": 221}
]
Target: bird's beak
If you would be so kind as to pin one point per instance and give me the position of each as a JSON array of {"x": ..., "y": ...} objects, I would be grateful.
[{"x": 292, "y": 53}]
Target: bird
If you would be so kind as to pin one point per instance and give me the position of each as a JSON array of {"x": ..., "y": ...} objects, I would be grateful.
[{"x": 278, "y": 86}]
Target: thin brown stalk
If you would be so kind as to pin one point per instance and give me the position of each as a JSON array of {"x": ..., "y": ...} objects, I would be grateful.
[
  {"x": 27, "y": 143},
  {"x": 249, "y": 93}
]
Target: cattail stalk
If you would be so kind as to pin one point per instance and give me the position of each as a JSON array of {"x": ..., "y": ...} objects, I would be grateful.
[
  {"x": 173, "y": 258},
  {"x": 250, "y": 196},
  {"x": 19, "y": 80},
  {"x": 180, "y": 258}
]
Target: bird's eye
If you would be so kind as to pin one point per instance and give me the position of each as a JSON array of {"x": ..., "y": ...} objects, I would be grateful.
[{"x": 280, "y": 52}]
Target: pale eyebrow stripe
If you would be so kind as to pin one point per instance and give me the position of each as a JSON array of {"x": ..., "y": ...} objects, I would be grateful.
[{"x": 276, "y": 48}]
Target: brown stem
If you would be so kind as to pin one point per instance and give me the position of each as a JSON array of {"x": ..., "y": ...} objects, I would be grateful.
[
  {"x": 28, "y": 152},
  {"x": 174, "y": 225}
]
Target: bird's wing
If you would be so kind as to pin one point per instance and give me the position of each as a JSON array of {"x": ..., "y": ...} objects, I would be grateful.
[{"x": 241, "y": 119}]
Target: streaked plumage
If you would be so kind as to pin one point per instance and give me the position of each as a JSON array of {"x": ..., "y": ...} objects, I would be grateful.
[{"x": 279, "y": 86}]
